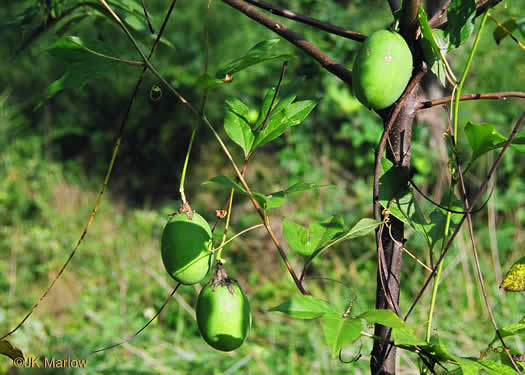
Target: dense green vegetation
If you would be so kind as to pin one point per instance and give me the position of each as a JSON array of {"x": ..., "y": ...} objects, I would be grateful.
[{"x": 54, "y": 155}]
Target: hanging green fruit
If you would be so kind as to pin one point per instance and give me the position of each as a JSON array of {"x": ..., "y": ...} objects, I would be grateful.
[{"x": 382, "y": 69}]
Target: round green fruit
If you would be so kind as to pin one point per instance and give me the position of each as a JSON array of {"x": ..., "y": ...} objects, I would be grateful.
[
  {"x": 382, "y": 69},
  {"x": 223, "y": 315},
  {"x": 185, "y": 248}
]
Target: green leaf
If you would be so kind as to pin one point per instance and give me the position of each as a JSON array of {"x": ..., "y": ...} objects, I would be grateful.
[
  {"x": 461, "y": 15},
  {"x": 283, "y": 118},
  {"x": 305, "y": 242},
  {"x": 495, "y": 368},
  {"x": 205, "y": 81},
  {"x": 273, "y": 200},
  {"x": 287, "y": 94},
  {"x": 362, "y": 228},
  {"x": 305, "y": 307},
  {"x": 434, "y": 45},
  {"x": 259, "y": 53},
  {"x": 228, "y": 182},
  {"x": 276, "y": 199},
  {"x": 237, "y": 126},
  {"x": 320, "y": 233},
  {"x": 303, "y": 186},
  {"x": 406, "y": 208},
  {"x": 296, "y": 235},
  {"x": 482, "y": 138},
  {"x": 468, "y": 366},
  {"x": 339, "y": 331},
  {"x": 383, "y": 317},
  {"x": 514, "y": 280},
  {"x": 406, "y": 337},
  {"x": 84, "y": 63},
  {"x": 435, "y": 229}
]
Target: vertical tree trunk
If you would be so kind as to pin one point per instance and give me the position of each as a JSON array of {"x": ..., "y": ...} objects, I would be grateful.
[{"x": 383, "y": 361}]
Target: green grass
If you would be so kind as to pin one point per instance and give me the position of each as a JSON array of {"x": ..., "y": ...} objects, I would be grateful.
[{"x": 116, "y": 282}]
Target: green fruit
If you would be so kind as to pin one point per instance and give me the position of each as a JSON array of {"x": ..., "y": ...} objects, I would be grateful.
[
  {"x": 185, "y": 248},
  {"x": 223, "y": 317},
  {"x": 382, "y": 69}
]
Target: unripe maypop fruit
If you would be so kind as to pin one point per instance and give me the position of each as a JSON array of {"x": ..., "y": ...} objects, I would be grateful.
[
  {"x": 223, "y": 314},
  {"x": 382, "y": 69},
  {"x": 185, "y": 247}
]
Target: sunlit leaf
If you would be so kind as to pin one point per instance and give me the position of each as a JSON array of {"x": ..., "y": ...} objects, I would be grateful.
[
  {"x": 482, "y": 138},
  {"x": 434, "y": 45},
  {"x": 339, "y": 331},
  {"x": 406, "y": 337},
  {"x": 305, "y": 307},
  {"x": 228, "y": 182},
  {"x": 383, "y": 317},
  {"x": 296, "y": 235},
  {"x": 237, "y": 126},
  {"x": 514, "y": 280},
  {"x": 362, "y": 228},
  {"x": 261, "y": 52}
]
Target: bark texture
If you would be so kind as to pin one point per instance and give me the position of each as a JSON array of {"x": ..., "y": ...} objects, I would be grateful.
[{"x": 383, "y": 361}]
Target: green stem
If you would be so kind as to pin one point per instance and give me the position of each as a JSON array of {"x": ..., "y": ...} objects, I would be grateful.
[
  {"x": 226, "y": 227},
  {"x": 464, "y": 76},
  {"x": 183, "y": 177}
]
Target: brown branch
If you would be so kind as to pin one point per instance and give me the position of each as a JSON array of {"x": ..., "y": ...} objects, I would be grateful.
[
  {"x": 296, "y": 39},
  {"x": 384, "y": 137},
  {"x": 394, "y": 5},
  {"x": 409, "y": 21},
  {"x": 437, "y": 16},
  {"x": 493, "y": 95},
  {"x": 283, "y": 12},
  {"x": 389, "y": 252}
]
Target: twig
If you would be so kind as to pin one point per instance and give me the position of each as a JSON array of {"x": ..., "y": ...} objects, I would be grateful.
[
  {"x": 125, "y": 341},
  {"x": 275, "y": 95},
  {"x": 515, "y": 131},
  {"x": 492, "y": 95},
  {"x": 446, "y": 208},
  {"x": 283, "y": 12},
  {"x": 379, "y": 154},
  {"x": 237, "y": 235},
  {"x": 476, "y": 257},
  {"x": 437, "y": 16},
  {"x": 409, "y": 21},
  {"x": 507, "y": 32},
  {"x": 296, "y": 39}
]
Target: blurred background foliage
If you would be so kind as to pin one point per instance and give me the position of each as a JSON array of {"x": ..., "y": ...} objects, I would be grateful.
[{"x": 53, "y": 160}]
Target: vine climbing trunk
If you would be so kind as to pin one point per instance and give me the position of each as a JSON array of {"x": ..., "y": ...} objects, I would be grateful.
[{"x": 390, "y": 239}]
